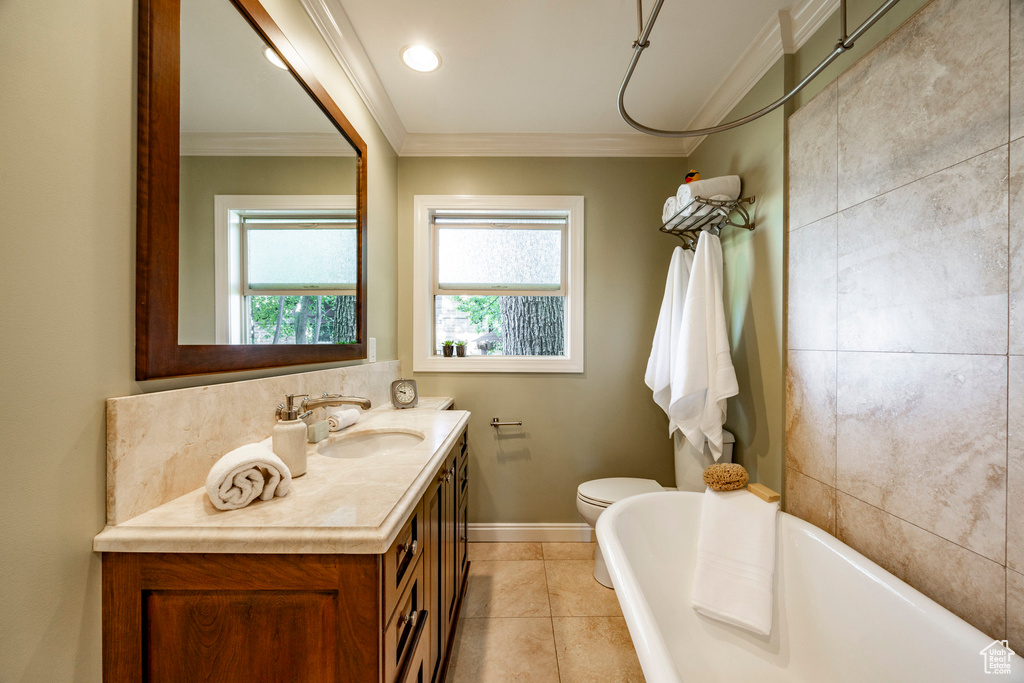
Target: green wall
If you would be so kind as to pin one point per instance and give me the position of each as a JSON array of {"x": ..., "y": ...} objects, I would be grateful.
[
  {"x": 202, "y": 178},
  {"x": 576, "y": 427},
  {"x": 67, "y": 294},
  {"x": 753, "y": 277}
]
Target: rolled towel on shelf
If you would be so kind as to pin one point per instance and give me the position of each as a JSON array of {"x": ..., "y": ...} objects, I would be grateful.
[
  {"x": 338, "y": 419},
  {"x": 245, "y": 474},
  {"x": 728, "y": 185},
  {"x": 732, "y": 580},
  {"x": 693, "y": 219},
  {"x": 669, "y": 210}
]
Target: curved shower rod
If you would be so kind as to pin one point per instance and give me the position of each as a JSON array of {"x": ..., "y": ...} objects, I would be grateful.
[{"x": 642, "y": 42}]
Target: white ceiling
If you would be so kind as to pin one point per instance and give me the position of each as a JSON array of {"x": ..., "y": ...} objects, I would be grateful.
[
  {"x": 536, "y": 66},
  {"x": 227, "y": 86}
]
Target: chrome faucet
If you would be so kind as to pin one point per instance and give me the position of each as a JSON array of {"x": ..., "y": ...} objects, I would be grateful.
[{"x": 332, "y": 400}]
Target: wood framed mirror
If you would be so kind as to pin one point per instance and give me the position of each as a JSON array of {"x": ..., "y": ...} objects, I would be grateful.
[{"x": 241, "y": 265}]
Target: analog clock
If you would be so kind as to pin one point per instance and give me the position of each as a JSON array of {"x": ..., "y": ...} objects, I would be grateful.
[{"x": 404, "y": 393}]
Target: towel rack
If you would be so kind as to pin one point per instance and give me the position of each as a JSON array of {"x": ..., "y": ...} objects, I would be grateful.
[{"x": 721, "y": 212}]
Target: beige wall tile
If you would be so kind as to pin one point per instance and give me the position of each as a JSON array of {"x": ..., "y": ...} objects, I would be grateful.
[
  {"x": 574, "y": 592},
  {"x": 569, "y": 551},
  {"x": 1015, "y": 468},
  {"x": 924, "y": 437},
  {"x": 930, "y": 96},
  {"x": 812, "y": 286},
  {"x": 505, "y": 551},
  {"x": 811, "y": 414},
  {"x": 1015, "y": 612},
  {"x": 1017, "y": 246},
  {"x": 813, "y": 159},
  {"x": 595, "y": 649},
  {"x": 500, "y": 650},
  {"x": 924, "y": 268},
  {"x": 1016, "y": 70},
  {"x": 500, "y": 588},
  {"x": 810, "y": 500},
  {"x": 963, "y": 582}
]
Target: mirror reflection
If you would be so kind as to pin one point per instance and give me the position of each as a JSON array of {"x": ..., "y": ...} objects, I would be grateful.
[{"x": 268, "y": 250}]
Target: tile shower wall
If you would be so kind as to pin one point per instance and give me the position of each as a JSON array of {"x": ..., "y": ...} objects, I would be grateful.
[{"x": 905, "y": 380}]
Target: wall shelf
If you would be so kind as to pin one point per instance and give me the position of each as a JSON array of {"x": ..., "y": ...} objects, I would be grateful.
[{"x": 709, "y": 215}]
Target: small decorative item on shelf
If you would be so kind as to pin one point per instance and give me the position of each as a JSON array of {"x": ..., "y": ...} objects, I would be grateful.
[
  {"x": 691, "y": 176},
  {"x": 448, "y": 348},
  {"x": 460, "y": 349}
]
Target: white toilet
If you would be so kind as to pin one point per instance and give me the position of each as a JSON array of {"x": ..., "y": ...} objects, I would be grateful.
[{"x": 593, "y": 497}]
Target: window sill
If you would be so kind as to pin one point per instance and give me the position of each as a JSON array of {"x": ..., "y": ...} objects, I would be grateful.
[{"x": 521, "y": 364}]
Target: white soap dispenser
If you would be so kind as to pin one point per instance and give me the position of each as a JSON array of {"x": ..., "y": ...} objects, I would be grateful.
[{"x": 290, "y": 436}]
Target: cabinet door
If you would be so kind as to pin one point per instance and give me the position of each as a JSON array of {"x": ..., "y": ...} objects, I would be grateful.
[
  {"x": 432, "y": 510},
  {"x": 450, "y": 544}
]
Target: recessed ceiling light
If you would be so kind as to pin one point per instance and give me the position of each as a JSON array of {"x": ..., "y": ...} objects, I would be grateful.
[
  {"x": 420, "y": 58},
  {"x": 274, "y": 58}
]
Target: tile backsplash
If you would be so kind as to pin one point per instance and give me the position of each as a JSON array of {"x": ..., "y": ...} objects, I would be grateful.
[
  {"x": 162, "y": 445},
  {"x": 904, "y": 392}
]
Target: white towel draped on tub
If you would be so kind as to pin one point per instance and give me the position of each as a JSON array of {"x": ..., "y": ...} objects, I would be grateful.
[
  {"x": 666, "y": 335},
  {"x": 245, "y": 474},
  {"x": 703, "y": 376},
  {"x": 732, "y": 580}
]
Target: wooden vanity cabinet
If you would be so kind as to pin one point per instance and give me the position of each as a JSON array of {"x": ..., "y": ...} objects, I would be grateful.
[{"x": 386, "y": 618}]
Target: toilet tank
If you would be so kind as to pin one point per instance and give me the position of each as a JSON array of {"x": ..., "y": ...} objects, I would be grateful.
[{"x": 691, "y": 463}]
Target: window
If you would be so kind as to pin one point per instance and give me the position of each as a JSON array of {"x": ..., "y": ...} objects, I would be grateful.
[
  {"x": 286, "y": 269},
  {"x": 503, "y": 276}
]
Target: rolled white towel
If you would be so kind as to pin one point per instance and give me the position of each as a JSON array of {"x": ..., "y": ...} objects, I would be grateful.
[
  {"x": 694, "y": 218},
  {"x": 728, "y": 185},
  {"x": 338, "y": 419},
  {"x": 245, "y": 474},
  {"x": 669, "y": 210}
]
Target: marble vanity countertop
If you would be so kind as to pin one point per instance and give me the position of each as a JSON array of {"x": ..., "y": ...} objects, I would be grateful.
[{"x": 350, "y": 505}]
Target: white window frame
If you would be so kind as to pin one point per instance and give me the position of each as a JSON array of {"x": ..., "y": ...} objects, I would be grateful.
[
  {"x": 227, "y": 248},
  {"x": 424, "y": 357}
]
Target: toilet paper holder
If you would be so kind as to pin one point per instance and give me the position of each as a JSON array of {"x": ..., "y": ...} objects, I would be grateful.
[{"x": 497, "y": 423}]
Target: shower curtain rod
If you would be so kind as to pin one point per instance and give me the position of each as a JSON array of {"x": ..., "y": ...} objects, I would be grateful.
[{"x": 643, "y": 42}]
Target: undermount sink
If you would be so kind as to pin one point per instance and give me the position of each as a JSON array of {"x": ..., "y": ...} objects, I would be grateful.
[{"x": 369, "y": 444}]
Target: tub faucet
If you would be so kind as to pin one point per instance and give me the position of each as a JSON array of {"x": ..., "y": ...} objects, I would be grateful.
[{"x": 333, "y": 400}]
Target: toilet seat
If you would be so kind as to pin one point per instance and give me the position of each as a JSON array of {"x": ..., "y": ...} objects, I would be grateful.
[{"x": 604, "y": 492}]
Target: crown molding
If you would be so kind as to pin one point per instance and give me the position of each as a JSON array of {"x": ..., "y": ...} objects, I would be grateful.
[
  {"x": 540, "y": 145},
  {"x": 782, "y": 35},
  {"x": 265, "y": 145},
  {"x": 341, "y": 37}
]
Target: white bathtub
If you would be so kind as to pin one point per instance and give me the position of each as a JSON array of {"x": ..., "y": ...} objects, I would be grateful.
[{"x": 837, "y": 616}]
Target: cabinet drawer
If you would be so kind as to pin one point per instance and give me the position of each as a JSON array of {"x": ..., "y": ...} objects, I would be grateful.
[
  {"x": 402, "y": 635},
  {"x": 462, "y": 445},
  {"x": 462, "y": 482},
  {"x": 400, "y": 560}
]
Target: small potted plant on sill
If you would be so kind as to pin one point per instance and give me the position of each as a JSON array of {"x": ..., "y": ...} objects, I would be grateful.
[
  {"x": 460, "y": 349},
  {"x": 448, "y": 348}
]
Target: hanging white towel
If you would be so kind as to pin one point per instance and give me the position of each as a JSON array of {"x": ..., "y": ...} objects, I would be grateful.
[
  {"x": 732, "y": 579},
  {"x": 245, "y": 474},
  {"x": 666, "y": 335},
  {"x": 702, "y": 373}
]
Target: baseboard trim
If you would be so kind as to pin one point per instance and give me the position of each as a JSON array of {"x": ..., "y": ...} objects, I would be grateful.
[{"x": 530, "y": 533}]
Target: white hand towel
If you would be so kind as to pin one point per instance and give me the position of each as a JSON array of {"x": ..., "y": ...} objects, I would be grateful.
[
  {"x": 694, "y": 217},
  {"x": 338, "y": 419},
  {"x": 732, "y": 580},
  {"x": 727, "y": 185},
  {"x": 245, "y": 474},
  {"x": 702, "y": 372},
  {"x": 666, "y": 335}
]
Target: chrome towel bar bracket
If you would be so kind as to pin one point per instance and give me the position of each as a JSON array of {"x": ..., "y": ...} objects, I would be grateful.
[{"x": 497, "y": 423}]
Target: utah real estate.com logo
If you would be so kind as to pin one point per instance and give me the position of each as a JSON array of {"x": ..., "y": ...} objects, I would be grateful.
[{"x": 997, "y": 657}]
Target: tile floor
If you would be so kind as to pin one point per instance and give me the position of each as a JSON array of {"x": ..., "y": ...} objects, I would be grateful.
[{"x": 533, "y": 612}]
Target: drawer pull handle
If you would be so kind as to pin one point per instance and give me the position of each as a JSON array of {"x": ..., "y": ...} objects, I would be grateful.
[
  {"x": 409, "y": 548},
  {"x": 407, "y": 619}
]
